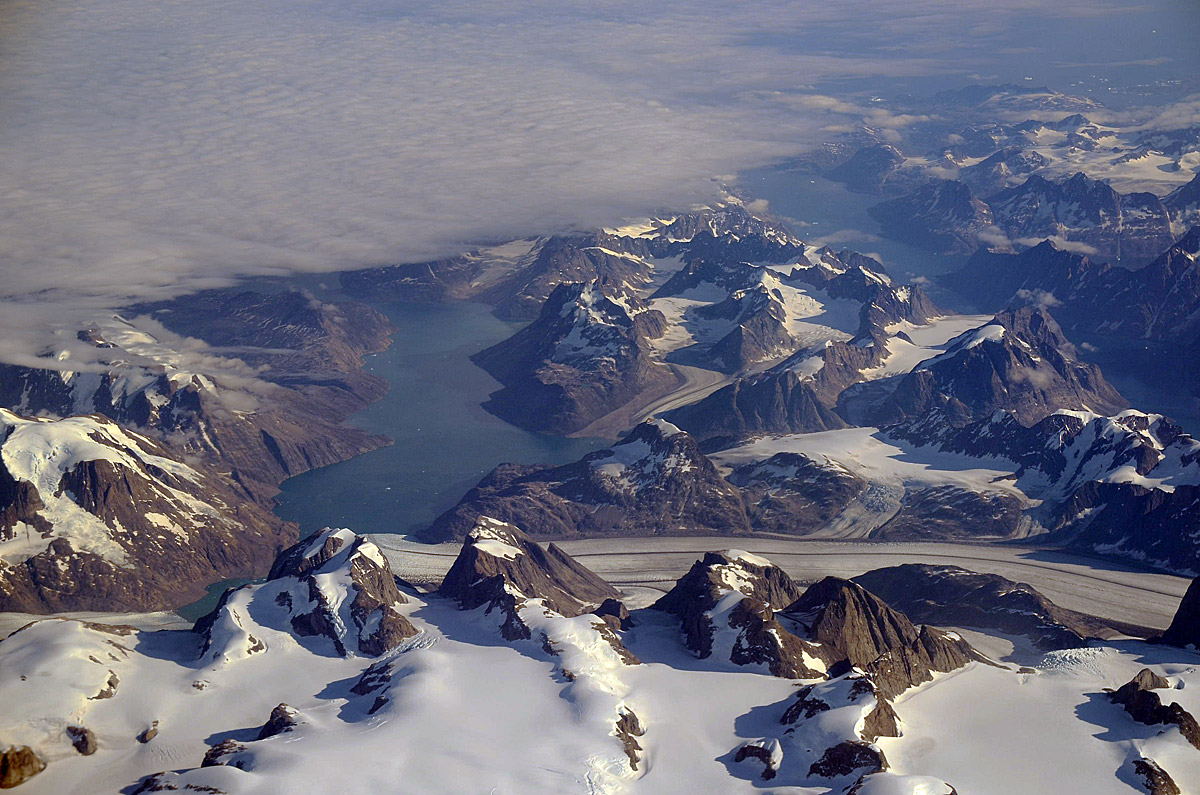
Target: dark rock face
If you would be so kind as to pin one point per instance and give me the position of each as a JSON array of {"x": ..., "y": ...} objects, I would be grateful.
[
  {"x": 282, "y": 720},
  {"x": 762, "y": 640},
  {"x": 1185, "y": 627},
  {"x": 375, "y": 680},
  {"x": 616, "y": 610},
  {"x": 769, "y": 403},
  {"x": 861, "y": 629},
  {"x": 628, "y": 729},
  {"x": 949, "y": 595},
  {"x": 762, "y": 754},
  {"x": 18, "y": 764},
  {"x": 1146, "y": 679},
  {"x": 1130, "y": 519},
  {"x": 148, "y": 734},
  {"x": 1132, "y": 227},
  {"x": 791, "y": 493},
  {"x": 655, "y": 481},
  {"x": 945, "y": 217},
  {"x": 110, "y": 687},
  {"x": 1145, "y": 706},
  {"x": 881, "y": 721},
  {"x": 1020, "y": 362},
  {"x": 83, "y": 739},
  {"x": 226, "y": 752},
  {"x": 19, "y": 504},
  {"x": 872, "y": 169},
  {"x": 1154, "y": 778},
  {"x": 849, "y": 757},
  {"x": 586, "y": 354},
  {"x": 1159, "y": 301},
  {"x": 728, "y": 600},
  {"x": 499, "y": 567},
  {"x": 139, "y": 486}
]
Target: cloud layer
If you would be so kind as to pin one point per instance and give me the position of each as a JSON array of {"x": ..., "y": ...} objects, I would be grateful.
[{"x": 154, "y": 148}]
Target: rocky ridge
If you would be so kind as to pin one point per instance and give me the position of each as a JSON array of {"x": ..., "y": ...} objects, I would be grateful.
[
  {"x": 500, "y": 568},
  {"x": 248, "y": 388},
  {"x": 655, "y": 480},
  {"x": 1185, "y": 627},
  {"x": 517, "y": 278},
  {"x": 1159, "y": 301},
  {"x": 953, "y": 596},
  {"x": 334, "y": 586},
  {"x": 588, "y": 352},
  {"x": 864, "y": 653},
  {"x": 97, "y": 517},
  {"x": 1020, "y": 362}
]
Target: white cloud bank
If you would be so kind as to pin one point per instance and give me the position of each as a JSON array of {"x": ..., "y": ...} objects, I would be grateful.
[{"x": 151, "y": 148}]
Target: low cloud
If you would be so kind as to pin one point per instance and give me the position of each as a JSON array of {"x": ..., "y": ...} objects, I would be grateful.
[
  {"x": 152, "y": 149},
  {"x": 1040, "y": 298}
]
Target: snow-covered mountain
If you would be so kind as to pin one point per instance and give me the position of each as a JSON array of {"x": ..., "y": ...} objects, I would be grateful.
[
  {"x": 1124, "y": 484},
  {"x": 526, "y": 674},
  {"x": 97, "y": 517},
  {"x": 999, "y": 141},
  {"x": 1018, "y": 361},
  {"x": 517, "y": 277},
  {"x": 588, "y": 352},
  {"x": 595, "y": 347},
  {"x": 142, "y": 459}
]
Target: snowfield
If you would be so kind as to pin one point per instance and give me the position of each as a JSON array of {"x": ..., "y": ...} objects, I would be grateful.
[
  {"x": 1050, "y": 730},
  {"x": 455, "y": 708},
  {"x": 876, "y": 458},
  {"x": 924, "y": 342}
]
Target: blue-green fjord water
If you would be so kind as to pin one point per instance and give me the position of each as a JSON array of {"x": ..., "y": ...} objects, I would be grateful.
[{"x": 444, "y": 441}]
